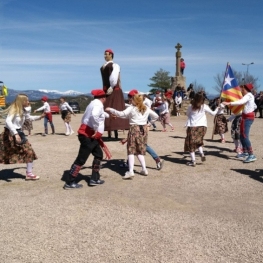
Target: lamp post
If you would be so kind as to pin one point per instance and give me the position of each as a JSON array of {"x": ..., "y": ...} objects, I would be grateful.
[{"x": 248, "y": 64}]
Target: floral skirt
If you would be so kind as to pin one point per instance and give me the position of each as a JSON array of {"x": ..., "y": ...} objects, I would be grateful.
[
  {"x": 137, "y": 140},
  {"x": 11, "y": 153},
  {"x": 194, "y": 138},
  {"x": 235, "y": 128},
  {"x": 220, "y": 124},
  {"x": 28, "y": 126},
  {"x": 165, "y": 118}
]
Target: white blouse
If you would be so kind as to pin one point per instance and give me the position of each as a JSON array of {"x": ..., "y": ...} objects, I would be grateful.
[
  {"x": 198, "y": 117},
  {"x": 135, "y": 117},
  {"x": 45, "y": 108},
  {"x": 15, "y": 122},
  {"x": 65, "y": 106},
  {"x": 248, "y": 100}
]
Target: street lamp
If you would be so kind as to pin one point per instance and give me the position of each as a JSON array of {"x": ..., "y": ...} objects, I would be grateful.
[{"x": 247, "y": 65}]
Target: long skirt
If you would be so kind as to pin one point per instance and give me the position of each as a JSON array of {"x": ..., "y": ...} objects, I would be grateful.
[
  {"x": 165, "y": 118},
  {"x": 137, "y": 139},
  {"x": 66, "y": 116},
  {"x": 194, "y": 138},
  {"x": 235, "y": 128},
  {"x": 11, "y": 153},
  {"x": 220, "y": 124},
  {"x": 116, "y": 101},
  {"x": 28, "y": 125}
]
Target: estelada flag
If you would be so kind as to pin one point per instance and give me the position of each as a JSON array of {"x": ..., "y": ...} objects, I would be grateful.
[{"x": 231, "y": 90}]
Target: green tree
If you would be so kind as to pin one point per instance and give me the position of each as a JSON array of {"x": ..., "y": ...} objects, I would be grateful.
[
  {"x": 241, "y": 77},
  {"x": 160, "y": 81}
]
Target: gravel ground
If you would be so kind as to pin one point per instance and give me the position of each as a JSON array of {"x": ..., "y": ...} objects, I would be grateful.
[{"x": 209, "y": 213}]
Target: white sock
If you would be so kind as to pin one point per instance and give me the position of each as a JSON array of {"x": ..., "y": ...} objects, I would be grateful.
[
  {"x": 222, "y": 136},
  {"x": 29, "y": 168},
  {"x": 236, "y": 143},
  {"x": 67, "y": 127},
  {"x": 70, "y": 129},
  {"x": 131, "y": 162},
  {"x": 201, "y": 150},
  {"x": 142, "y": 161},
  {"x": 192, "y": 154}
]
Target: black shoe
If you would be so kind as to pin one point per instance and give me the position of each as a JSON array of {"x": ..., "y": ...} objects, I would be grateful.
[
  {"x": 72, "y": 185},
  {"x": 93, "y": 182}
]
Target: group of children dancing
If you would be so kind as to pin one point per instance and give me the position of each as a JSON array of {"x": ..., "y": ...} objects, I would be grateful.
[{"x": 15, "y": 148}]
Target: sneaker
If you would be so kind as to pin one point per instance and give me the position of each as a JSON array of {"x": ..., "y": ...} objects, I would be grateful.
[
  {"x": 128, "y": 175},
  {"x": 242, "y": 155},
  {"x": 160, "y": 165},
  {"x": 154, "y": 129},
  {"x": 71, "y": 132},
  {"x": 144, "y": 172},
  {"x": 98, "y": 182},
  {"x": 44, "y": 134},
  {"x": 72, "y": 185},
  {"x": 203, "y": 158},
  {"x": 191, "y": 163},
  {"x": 67, "y": 133},
  {"x": 250, "y": 158},
  {"x": 31, "y": 177}
]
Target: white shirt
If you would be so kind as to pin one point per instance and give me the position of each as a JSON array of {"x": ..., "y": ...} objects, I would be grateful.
[
  {"x": 135, "y": 117},
  {"x": 198, "y": 118},
  {"x": 163, "y": 108},
  {"x": 221, "y": 109},
  {"x": 94, "y": 116},
  {"x": 114, "y": 74},
  {"x": 65, "y": 106},
  {"x": 14, "y": 122},
  {"x": 147, "y": 102},
  {"x": 45, "y": 107},
  {"x": 178, "y": 100},
  {"x": 248, "y": 100}
]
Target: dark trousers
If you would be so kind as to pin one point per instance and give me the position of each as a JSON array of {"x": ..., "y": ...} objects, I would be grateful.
[{"x": 90, "y": 146}]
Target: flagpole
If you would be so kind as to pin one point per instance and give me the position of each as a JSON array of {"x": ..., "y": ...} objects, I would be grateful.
[{"x": 215, "y": 119}]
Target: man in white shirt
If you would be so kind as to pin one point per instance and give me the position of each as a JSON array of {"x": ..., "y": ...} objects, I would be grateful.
[{"x": 90, "y": 133}]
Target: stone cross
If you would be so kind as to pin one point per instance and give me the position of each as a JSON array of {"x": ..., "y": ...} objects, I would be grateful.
[{"x": 178, "y": 56}]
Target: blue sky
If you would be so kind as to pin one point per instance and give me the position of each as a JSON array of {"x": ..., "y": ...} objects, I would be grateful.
[{"x": 59, "y": 45}]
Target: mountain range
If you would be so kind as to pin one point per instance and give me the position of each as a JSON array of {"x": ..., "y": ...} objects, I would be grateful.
[{"x": 35, "y": 95}]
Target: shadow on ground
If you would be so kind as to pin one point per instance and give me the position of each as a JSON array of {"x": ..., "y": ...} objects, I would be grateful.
[
  {"x": 256, "y": 175},
  {"x": 9, "y": 174}
]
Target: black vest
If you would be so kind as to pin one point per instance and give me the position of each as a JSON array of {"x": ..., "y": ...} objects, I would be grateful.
[{"x": 105, "y": 74}]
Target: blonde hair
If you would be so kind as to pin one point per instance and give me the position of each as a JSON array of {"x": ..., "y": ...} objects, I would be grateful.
[
  {"x": 17, "y": 106},
  {"x": 138, "y": 101}
]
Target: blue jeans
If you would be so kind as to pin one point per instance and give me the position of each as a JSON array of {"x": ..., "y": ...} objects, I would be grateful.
[
  {"x": 51, "y": 125},
  {"x": 244, "y": 136},
  {"x": 151, "y": 152}
]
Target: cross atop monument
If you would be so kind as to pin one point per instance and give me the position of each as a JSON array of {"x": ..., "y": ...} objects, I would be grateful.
[{"x": 178, "y": 46}]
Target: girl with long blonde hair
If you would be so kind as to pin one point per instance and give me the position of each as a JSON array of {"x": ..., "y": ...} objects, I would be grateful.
[{"x": 14, "y": 146}]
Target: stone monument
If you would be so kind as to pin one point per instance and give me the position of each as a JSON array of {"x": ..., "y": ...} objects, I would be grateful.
[{"x": 179, "y": 78}]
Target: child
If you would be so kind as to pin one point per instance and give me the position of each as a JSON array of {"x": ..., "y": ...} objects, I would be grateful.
[
  {"x": 196, "y": 127},
  {"x": 48, "y": 115},
  {"x": 14, "y": 146},
  {"x": 138, "y": 134},
  {"x": 66, "y": 112},
  {"x": 164, "y": 114},
  {"x": 220, "y": 121}
]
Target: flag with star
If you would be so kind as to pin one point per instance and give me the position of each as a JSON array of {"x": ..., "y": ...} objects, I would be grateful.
[{"x": 231, "y": 90}]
